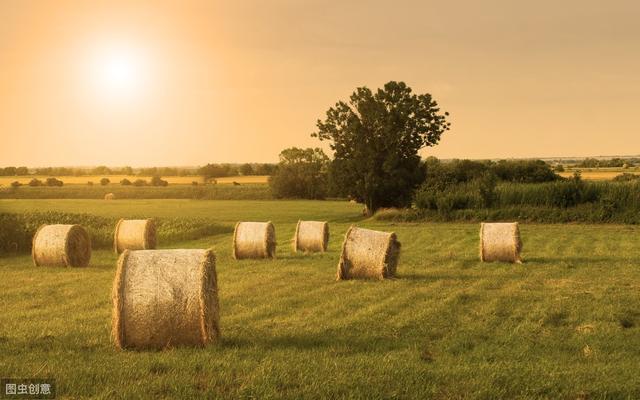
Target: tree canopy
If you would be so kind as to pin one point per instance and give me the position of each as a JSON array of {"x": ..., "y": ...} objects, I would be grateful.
[{"x": 376, "y": 138}]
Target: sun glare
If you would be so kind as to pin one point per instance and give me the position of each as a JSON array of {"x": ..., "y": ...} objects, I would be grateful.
[{"x": 118, "y": 72}]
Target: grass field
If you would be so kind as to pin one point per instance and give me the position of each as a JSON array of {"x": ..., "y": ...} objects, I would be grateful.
[
  {"x": 115, "y": 179},
  {"x": 565, "y": 325},
  {"x": 599, "y": 174}
]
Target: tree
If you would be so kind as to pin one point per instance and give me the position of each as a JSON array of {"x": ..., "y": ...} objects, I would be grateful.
[
  {"x": 105, "y": 181},
  {"x": 125, "y": 182},
  {"x": 376, "y": 138},
  {"x": 301, "y": 173},
  {"x": 158, "y": 181},
  {"x": 246, "y": 169}
]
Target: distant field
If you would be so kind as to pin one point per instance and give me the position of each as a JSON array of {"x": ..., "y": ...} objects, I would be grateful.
[
  {"x": 599, "y": 174},
  {"x": 564, "y": 325},
  {"x": 115, "y": 179}
]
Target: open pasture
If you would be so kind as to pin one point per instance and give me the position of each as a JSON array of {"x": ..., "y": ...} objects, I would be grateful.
[{"x": 565, "y": 324}]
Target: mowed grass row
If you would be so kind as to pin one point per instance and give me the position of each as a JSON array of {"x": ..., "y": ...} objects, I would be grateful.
[{"x": 566, "y": 324}]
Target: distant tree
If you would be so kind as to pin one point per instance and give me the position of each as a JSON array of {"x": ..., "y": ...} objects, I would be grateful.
[
  {"x": 139, "y": 182},
  {"x": 301, "y": 173},
  {"x": 158, "y": 181},
  {"x": 16, "y": 184},
  {"x": 53, "y": 182},
  {"x": 265, "y": 169},
  {"x": 376, "y": 138},
  {"x": 35, "y": 182},
  {"x": 246, "y": 169},
  {"x": 105, "y": 181},
  {"x": 101, "y": 170},
  {"x": 9, "y": 171},
  {"x": 21, "y": 171},
  {"x": 559, "y": 168},
  {"x": 90, "y": 183},
  {"x": 127, "y": 171},
  {"x": 210, "y": 171},
  {"x": 125, "y": 182}
]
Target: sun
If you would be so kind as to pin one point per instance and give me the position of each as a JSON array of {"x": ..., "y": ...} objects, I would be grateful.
[{"x": 118, "y": 72}]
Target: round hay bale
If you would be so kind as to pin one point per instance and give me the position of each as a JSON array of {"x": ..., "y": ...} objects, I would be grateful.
[
  {"x": 312, "y": 236},
  {"x": 500, "y": 242},
  {"x": 61, "y": 245},
  {"x": 368, "y": 254},
  {"x": 254, "y": 240},
  {"x": 134, "y": 234},
  {"x": 165, "y": 298},
  {"x": 109, "y": 196}
]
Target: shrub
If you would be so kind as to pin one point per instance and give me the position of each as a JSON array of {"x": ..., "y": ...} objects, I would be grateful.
[
  {"x": 626, "y": 177},
  {"x": 125, "y": 182},
  {"x": 16, "y": 184},
  {"x": 53, "y": 182},
  {"x": 158, "y": 181},
  {"x": 194, "y": 183},
  {"x": 139, "y": 182},
  {"x": 105, "y": 181},
  {"x": 90, "y": 183},
  {"x": 35, "y": 182}
]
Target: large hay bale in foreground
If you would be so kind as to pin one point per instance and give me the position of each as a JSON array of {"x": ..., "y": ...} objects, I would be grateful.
[
  {"x": 254, "y": 240},
  {"x": 61, "y": 245},
  {"x": 134, "y": 234},
  {"x": 500, "y": 242},
  {"x": 368, "y": 254},
  {"x": 311, "y": 236},
  {"x": 165, "y": 298},
  {"x": 109, "y": 196}
]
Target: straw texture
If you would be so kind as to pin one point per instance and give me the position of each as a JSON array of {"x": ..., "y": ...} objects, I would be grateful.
[
  {"x": 61, "y": 245},
  {"x": 254, "y": 240},
  {"x": 500, "y": 242},
  {"x": 311, "y": 236},
  {"x": 134, "y": 234},
  {"x": 368, "y": 254},
  {"x": 165, "y": 298},
  {"x": 109, "y": 196}
]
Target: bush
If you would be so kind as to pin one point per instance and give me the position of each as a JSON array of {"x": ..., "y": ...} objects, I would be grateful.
[
  {"x": 139, "y": 182},
  {"x": 194, "y": 183},
  {"x": 626, "y": 177},
  {"x": 16, "y": 184},
  {"x": 90, "y": 183},
  {"x": 53, "y": 182},
  {"x": 105, "y": 181},
  {"x": 158, "y": 181},
  {"x": 35, "y": 182},
  {"x": 125, "y": 182}
]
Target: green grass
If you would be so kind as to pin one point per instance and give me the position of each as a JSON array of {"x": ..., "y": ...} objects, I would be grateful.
[{"x": 448, "y": 327}]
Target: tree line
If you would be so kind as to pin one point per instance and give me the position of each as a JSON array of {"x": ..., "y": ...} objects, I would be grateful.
[{"x": 209, "y": 170}]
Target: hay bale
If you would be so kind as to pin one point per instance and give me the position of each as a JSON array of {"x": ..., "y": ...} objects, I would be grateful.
[
  {"x": 61, "y": 245},
  {"x": 134, "y": 234},
  {"x": 500, "y": 242},
  {"x": 165, "y": 298},
  {"x": 109, "y": 196},
  {"x": 368, "y": 254},
  {"x": 254, "y": 240},
  {"x": 311, "y": 236}
]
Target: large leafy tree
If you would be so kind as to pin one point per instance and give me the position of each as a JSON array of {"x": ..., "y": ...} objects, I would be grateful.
[{"x": 375, "y": 138}]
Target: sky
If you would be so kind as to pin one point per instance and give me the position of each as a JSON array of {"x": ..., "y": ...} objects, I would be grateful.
[{"x": 184, "y": 83}]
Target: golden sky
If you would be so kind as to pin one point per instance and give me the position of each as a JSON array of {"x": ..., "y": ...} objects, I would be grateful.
[{"x": 187, "y": 82}]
